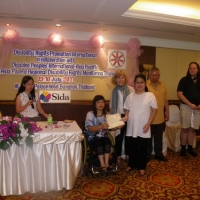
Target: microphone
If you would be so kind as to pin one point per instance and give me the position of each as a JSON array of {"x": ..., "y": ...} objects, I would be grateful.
[{"x": 30, "y": 98}]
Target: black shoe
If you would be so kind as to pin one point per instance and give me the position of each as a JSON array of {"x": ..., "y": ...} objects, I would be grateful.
[
  {"x": 191, "y": 152},
  {"x": 149, "y": 159},
  {"x": 161, "y": 158},
  {"x": 183, "y": 154}
]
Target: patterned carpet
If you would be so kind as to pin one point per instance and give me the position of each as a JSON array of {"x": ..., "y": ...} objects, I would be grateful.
[{"x": 177, "y": 179}]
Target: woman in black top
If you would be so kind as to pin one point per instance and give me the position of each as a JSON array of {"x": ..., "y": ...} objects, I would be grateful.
[{"x": 188, "y": 92}]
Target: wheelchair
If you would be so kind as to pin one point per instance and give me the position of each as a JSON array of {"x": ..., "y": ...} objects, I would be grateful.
[{"x": 90, "y": 158}]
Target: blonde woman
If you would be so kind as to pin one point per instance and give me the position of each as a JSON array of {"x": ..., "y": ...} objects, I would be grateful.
[{"x": 117, "y": 99}]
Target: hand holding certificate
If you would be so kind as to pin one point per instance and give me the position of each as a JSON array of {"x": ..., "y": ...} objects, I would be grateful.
[{"x": 114, "y": 120}]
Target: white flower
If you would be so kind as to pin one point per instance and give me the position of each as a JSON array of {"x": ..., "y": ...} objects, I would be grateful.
[{"x": 24, "y": 134}]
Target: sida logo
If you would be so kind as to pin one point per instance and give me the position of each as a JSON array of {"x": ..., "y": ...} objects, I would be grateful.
[
  {"x": 45, "y": 96},
  {"x": 55, "y": 96}
]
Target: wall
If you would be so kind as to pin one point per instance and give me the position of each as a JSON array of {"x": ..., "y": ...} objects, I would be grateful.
[{"x": 173, "y": 64}]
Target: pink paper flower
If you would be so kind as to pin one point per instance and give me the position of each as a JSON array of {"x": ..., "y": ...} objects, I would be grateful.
[
  {"x": 55, "y": 39},
  {"x": 11, "y": 36},
  {"x": 134, "y": 46},
  {"x": 97, "y": 41}
]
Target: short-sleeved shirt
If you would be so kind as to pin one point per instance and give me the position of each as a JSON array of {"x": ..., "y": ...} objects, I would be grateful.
[
  {"x": 139, "y": 106},
  {"x": 161, "y": 94},
  {"x": 91, "y": 120},
  {"x": 29, "y": 111},
  {"x": 190, "y": 90}
]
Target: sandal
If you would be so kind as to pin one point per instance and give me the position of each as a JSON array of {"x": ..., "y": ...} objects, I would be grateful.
[
  {"x": 110, "y": 167},
  {"x": 119, "y": 159},
  {"x": 104, "y": 169},
  {"x": 142, "y": 172},
  {"x": 128, "y": 169}
]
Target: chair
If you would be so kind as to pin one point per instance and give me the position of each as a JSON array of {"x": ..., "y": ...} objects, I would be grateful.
[
  {"x": 90, "y": 157},
  {"x": 173, "y": 129}
]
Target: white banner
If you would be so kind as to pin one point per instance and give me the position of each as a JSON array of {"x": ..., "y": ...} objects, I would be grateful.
[
  {"x": 116, "y": 59},
  {"x": 53, "y": 96}
]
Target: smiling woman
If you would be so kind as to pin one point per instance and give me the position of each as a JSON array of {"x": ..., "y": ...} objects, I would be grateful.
[
  {"x": 117, "y": 99},
  {"x": 141, "y": 108}
]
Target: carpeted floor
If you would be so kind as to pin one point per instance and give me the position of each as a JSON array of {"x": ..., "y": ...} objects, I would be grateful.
[{"x": 177, "y": 179}]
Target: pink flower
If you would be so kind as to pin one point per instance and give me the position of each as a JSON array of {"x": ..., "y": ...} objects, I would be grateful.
[
  {"x": 12, "y": 131},
  {"x": 17, "y": 119}
]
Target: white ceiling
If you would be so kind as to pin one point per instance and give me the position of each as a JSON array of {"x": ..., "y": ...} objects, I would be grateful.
[{"x": 96, "y": 16}]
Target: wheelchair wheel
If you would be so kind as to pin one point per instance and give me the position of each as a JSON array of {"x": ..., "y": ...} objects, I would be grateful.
[
  {"x": 113, "y": 154},
  {"x": 84, "y": 150}
]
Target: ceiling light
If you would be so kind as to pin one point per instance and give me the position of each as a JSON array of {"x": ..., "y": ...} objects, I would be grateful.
[
  {"x": 58, "y": 25},
  {"x": 7, "y": 24}
]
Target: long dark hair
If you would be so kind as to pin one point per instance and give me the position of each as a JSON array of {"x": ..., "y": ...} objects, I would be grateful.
[
  {"x": 188, "y": 73},
  {"x": 142, "y": 76},
  {"x": 21, "y": 89},
  {"x": 94, "y": 109}
]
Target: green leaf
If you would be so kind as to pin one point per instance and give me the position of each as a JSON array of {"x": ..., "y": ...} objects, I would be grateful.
[
  {"x": 4, "y": 145},
  {"x": 18, "y": 115},
  {"x": 29, "y": 141},
  {"x": 16, "y": 141},
  {"x": 4, "y": 122},
  {"x": 9, "y": 141}
]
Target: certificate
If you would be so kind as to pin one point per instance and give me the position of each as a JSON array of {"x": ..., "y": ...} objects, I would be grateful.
[{"x": 113, "y": 120}]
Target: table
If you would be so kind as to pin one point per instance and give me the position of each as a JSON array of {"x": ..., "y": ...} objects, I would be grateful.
[{"x": 53, "y": 163}]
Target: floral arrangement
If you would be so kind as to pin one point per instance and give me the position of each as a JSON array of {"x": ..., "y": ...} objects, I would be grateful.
[{"x": 16, "y": 129}]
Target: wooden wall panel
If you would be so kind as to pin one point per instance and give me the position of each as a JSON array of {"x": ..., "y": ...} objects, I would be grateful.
[{"x": 77, "y": 110}]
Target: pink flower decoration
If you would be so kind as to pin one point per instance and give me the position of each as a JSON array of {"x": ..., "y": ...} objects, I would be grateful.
[
  {"x": 97, "y": 41},
  {"x": 17, "y": 119},
  {"x": 11, "y": 36},
  {"x": 55, "y": 39},
  {"x": 134, "y": 46}
]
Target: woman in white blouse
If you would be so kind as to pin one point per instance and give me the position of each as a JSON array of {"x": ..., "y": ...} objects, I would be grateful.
[
  {"x": 141, "y": 108},
  {"x": 27, "y": 101}
]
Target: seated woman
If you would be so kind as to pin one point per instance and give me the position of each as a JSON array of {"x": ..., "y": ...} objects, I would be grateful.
[
  {"x": 97, "y": 126},
  {"x": 27, "y": 102}
]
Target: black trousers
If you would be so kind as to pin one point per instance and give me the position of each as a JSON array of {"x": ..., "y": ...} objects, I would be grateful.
[
  {"x": 119, "y": 140},
  {"x": 157, "y": 135},
  {"x": 138, "y": 153},
  {"x": 103, "y": 145}
]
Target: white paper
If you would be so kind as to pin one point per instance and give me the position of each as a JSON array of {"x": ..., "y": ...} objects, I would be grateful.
[{"x": 113, "y": 120}]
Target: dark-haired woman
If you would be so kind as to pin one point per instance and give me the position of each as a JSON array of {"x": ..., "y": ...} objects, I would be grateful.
[
  {"x": 188, "y": 92},
  {"x": 96, "y": 126},
  {"x": 141, "y": 107},
  {"x": 27, "y": 101}
]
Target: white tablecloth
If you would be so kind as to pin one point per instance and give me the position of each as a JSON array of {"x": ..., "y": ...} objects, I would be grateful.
[{"x": 52, "y": 164}]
